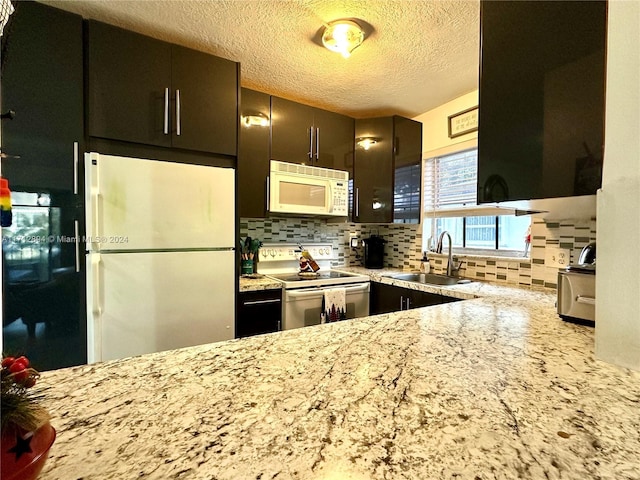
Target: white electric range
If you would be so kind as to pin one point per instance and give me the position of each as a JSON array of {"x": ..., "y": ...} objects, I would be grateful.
[{"x": 303, "y": 293}]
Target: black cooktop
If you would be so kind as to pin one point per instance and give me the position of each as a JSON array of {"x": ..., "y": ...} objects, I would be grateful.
[{"x": 321, "y": 275}]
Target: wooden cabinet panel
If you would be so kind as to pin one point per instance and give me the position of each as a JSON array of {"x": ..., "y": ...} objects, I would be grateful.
[
  {"x": 304, "y": 134},
  {"x": 291, "y": 131},
  {"x": 206, "y": 88},
  {"x": 259, "y": 312},
  {"x": 43, "y": 282},
  {"x": 391, "y": 298},
  {"x": 541, "y": 110},
  {"x": 373, "y": 172},
  {"x": 146, "y": 91},
  {"x": 335, "y": 140},
  {"x": 42, "y": 81},
  {"x": 407, "y": 162},
  {"x": 129, "y": 86},
  {"x": 253, "y": 156}
]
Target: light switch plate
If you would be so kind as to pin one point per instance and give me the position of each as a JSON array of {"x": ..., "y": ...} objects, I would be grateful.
[{"x": 556, "y": 256}]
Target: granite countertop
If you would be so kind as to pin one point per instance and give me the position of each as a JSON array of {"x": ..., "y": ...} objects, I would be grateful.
[
  {"x": 258, "y": 282},
  {"x": 496, "y": 387}
]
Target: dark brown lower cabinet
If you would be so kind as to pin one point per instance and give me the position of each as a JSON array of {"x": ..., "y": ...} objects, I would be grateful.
[
  {"x": 390, "y": 298},
  {"x": 259, "y": 312}
]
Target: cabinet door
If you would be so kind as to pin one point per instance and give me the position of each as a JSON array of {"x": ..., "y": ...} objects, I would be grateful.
[
  {"x": 387, "y": 298},
  {"x": 407, "y": 170},
  {"x": 335, "y": 137},
  {"x": 42, "y": 288},
  {"x": 292, "y": 132},
  {"x": 129, "y": 86},
  {"x": 42, "y": 81},
  {"x": 259, "y": 312},
  {"x": 205, "y": 112},
  {"x": 420, "y": 299},
  {"x": 541, "y": 111},
  {"x": 373, "y": 172},
  {"x": 253, "y": 156}
]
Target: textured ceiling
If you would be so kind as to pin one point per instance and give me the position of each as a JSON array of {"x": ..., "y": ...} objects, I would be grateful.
[{"x": 417, "y": 54}]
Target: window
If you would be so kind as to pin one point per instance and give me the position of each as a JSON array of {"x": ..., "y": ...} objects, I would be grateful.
[{"x": 450, "y": 189}]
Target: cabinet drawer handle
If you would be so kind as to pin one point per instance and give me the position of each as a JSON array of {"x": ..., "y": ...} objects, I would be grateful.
[
  {"x": 178, "y": 116},
  {"x": 165, "y": 129},
  {"x": 261, "y": 302},
  {"x": 317, "y": 144},
  {"x": 311, "y": 143},
  {"x": 408, "y": 304},
  {"x": 401, "y": 303}
]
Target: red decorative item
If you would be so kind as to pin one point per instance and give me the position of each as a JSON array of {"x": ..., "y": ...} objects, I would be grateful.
[
  {"x": 25, "y": 453},
  {"x": 27, "y": 434}
]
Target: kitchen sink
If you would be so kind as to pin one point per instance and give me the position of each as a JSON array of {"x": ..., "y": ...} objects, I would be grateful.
[{"x": 429, "y": 278}]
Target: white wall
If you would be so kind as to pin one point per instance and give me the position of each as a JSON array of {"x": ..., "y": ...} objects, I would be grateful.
[
  {"x": 618, "y": 229},
  {"x": 435, "y": 128}
]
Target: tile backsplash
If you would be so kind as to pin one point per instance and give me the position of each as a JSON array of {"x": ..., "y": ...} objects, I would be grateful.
[{"x": 404, "y": 246}]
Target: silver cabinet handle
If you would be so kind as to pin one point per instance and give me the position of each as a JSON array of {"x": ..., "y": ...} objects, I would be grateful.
[
  {"x": 262, "y": 302},
  {"x": 76, "y": 228},
  {"x": 178, "y": 117},
  {"x": 408, "y": 303},
  {"x": 311, "y": 143},
  {"x": 165, "y": 129},
  {"x": 317, "y": 144},
  {"x": 401, "y": 302},
  {"x": 75, "y": 168},
  {"x": 279, "y": 325}
]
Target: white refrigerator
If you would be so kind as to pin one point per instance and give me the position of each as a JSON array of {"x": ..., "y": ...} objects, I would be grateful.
[{"x": 160, "y": 255}]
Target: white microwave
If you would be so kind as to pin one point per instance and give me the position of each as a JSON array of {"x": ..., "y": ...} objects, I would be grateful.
[{"x": 305, "y": 190}]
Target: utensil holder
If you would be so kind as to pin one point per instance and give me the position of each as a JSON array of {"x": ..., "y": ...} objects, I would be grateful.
[{"x": 246, "y": 267}]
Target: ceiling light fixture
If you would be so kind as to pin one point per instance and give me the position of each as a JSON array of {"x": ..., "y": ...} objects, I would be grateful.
[{"x": 342, "y": 36}]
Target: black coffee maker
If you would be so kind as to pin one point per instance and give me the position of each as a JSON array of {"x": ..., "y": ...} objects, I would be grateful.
[{"x": 374, "y": 251}]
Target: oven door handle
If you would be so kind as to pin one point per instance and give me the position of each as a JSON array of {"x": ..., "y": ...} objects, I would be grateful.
[{"x": 313, "y": 291}]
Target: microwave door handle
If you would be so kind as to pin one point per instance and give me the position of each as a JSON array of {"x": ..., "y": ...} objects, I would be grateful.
[
  {"x": 268, "y": 202},
  {"x": 331, "y": 199}
]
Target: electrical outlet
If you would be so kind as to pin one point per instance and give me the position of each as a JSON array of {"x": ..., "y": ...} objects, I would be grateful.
[
  {"x": 556, "y": 257},
  {"x": 354, "y": 242}
]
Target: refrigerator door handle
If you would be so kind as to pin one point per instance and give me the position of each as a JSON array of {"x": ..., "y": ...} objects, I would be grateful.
[{"x": 96, "y": 307}]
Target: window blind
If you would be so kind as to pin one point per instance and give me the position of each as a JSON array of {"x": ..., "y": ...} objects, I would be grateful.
[{"x": 451, "y": 181}]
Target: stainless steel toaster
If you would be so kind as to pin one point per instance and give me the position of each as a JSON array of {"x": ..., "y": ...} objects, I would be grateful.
[{"x": 577, "y": 295}]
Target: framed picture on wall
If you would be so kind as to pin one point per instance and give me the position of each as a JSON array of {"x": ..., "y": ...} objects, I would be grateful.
[{"x": 463, "y": 122}]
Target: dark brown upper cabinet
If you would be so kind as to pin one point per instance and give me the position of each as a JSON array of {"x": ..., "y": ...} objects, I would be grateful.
[
  {"x": 146, "y": 91},
  {"x": 541, "y": 110},
  {"x": 304, "y": 134},
  {"x": 42, "y": 82},
  {"x": 253, "y": 155},
  {"x": 387, "y": 170}
]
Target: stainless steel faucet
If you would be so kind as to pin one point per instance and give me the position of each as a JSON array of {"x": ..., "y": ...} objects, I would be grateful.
[{"x": 439, "y": 250}]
